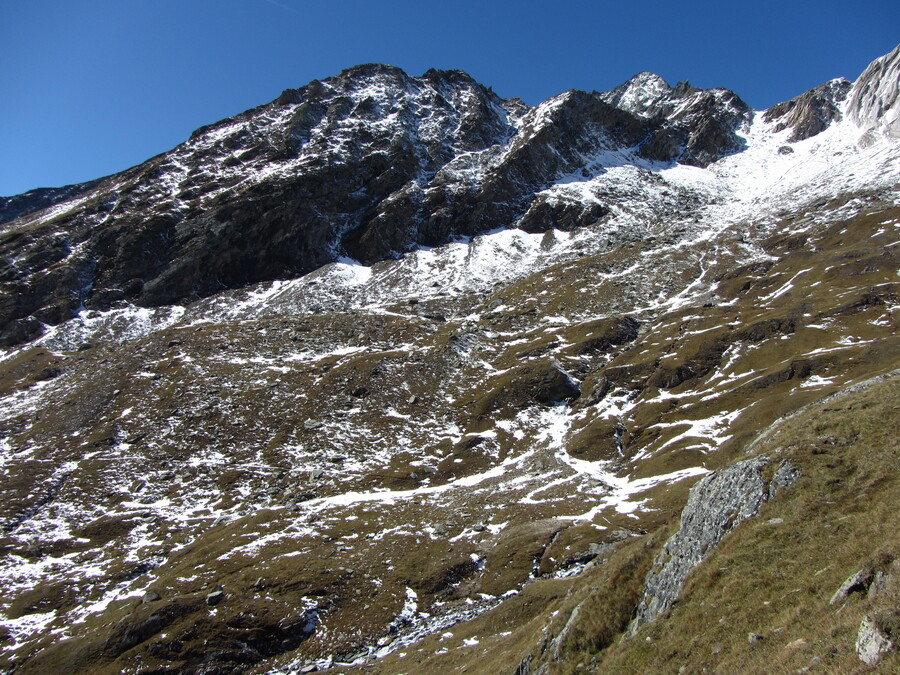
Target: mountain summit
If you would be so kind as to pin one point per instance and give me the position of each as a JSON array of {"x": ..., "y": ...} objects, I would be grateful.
[{"x": 393, "y": 375}]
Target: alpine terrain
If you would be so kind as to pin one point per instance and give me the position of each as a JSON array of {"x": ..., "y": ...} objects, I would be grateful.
[{"x": 393, "y": 375}]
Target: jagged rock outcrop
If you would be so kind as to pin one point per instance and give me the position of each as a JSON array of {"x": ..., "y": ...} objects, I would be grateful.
[
  {"x": 872, "y": 103},
  {"x": 689, "y": 125},
  {"x": 699, "y": 129},
  {"x": 645, "y": 94},
  {"x": 274, "y": 192},
  {"x": 812, "y": 112},
  {"x": 716, "y": 505}
]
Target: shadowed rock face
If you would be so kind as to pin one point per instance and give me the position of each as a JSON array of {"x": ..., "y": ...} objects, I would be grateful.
[
  {"x": 699, "y": 129},
  {"x": 40, "y": 198}
]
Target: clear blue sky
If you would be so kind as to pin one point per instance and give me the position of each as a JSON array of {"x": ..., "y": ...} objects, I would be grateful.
[{"x": 91, "y": 87}]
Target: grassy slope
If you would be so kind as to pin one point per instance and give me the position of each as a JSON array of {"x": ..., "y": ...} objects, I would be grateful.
[
  {"x": 217, "y": 402},
  {"x": 775, "y": 578},
  {"x": 771, "y": 578}
]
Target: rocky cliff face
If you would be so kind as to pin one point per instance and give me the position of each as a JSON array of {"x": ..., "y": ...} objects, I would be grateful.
[
  {"x": 873, "y": 102},
  {"x": 812, "y": 112},
  {"x": 40, "y": 198},
  {"x": 390, "y": 356}
]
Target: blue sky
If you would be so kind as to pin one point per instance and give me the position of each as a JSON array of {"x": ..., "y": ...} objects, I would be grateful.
[{"x": 91, "y": 87}]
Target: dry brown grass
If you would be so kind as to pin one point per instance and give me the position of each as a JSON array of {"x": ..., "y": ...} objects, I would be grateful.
[{"x": 775, "y": 578}]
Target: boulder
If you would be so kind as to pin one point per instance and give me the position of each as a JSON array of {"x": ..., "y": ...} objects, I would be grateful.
[
  {"x": 215, "y": 597},
  {"x": 150, "y": 596},
  {"x": 716, "y": 505},
  {"x": 857, "y": 582},
  {"x": 876, "y": 636}
]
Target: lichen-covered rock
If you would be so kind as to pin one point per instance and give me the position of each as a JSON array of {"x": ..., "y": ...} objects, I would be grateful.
[
  {"x": 716, "y": 505},
  {"x": 873, "y": 640},
  {"x": 858, "y": 582}
]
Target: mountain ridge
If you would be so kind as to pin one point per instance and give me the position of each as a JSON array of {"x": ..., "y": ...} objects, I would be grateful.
[{"x": 472, "y": 202}]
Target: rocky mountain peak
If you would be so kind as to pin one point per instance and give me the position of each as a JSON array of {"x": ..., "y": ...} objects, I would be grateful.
[
  {"x": 366, "y": 71},
  {"x": 873, "y": 102},
  {"x": 369, "y": 164},
  {"x": 697, "y": 128},
  {"x": 641, "y": 95},
  {"x": 452, "y": 77},
  {"x": 811, "y": 112}
]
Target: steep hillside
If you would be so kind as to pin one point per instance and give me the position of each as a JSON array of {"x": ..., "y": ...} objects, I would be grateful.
[
  {"x": 392, "y": 374},
  {"x": 790, "y": 590}
]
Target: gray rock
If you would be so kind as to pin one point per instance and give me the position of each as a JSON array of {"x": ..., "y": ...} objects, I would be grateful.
[
  {"x": 150, "y": 596},
  {"x": 524, "y": 667},
  {"x": 874, "y": 96},
  {"x": 312, "y": 425},
  {"x": 872, "y": 642},
  {"x": 811, "y": 112},
  {"x": 715, "y": 506},
  {"x": 879, "y": 582},
  {"x": 785, "y": 475},
  {"x": 592, "y": 551},
  {"x": 858, "y": 582},
  {"x": 753, "y": 638},
  {"x": 215, "y": 597}
]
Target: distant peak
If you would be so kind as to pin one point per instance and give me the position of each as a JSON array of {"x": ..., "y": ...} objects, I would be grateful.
[
  {"x": 640, "y": 95},
  {"x": 646, "y": 78},
  {"x": 455, "y": 76},
  {"x": 365, "y": 70}
]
